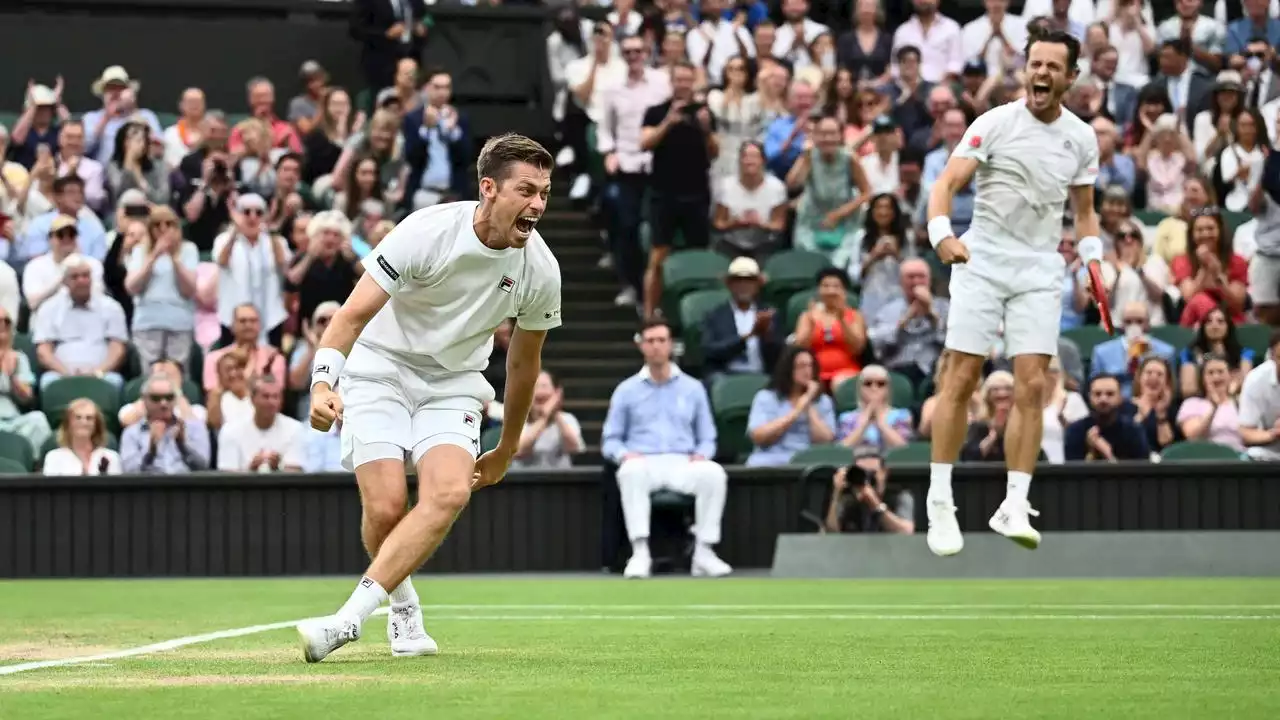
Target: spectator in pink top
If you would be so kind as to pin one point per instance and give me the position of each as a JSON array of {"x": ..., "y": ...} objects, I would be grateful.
[
  {"x": 262, "y": 101},
  {"x": 264, "y": 359}
]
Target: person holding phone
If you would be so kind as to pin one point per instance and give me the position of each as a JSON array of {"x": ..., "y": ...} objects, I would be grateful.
[{"x": 131, "y": 165}]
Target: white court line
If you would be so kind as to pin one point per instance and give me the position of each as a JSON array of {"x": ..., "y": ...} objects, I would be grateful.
[
  {"x": 857, "y": 606},
  {"x": 256, "y": 629}
]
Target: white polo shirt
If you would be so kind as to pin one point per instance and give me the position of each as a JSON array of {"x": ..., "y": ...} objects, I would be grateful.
[{"x": 1260, "y": 402}]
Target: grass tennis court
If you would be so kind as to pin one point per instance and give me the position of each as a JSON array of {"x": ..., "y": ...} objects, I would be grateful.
[{"x": 603, "y": 648}]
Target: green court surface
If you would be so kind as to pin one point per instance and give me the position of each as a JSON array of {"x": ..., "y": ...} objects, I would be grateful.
[{"x": 536, "y": 647}]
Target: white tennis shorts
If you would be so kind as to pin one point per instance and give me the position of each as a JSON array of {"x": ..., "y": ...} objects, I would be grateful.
[
  {"x": 394, "y": 411},
  {"x": 1025, "y": 294},
  {"x": 1264, "y": 280}
]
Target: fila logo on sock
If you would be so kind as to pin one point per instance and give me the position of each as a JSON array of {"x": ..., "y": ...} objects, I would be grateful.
[{"x": 366, "y": 583}]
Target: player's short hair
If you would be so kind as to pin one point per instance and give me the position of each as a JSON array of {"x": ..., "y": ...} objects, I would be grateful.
[
  {"x": 1055, "y": 37},
  {"x": 501, "y": 152}
]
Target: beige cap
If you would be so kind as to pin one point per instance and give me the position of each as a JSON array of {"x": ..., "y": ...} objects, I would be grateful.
[{"x": 744, "y": 267}]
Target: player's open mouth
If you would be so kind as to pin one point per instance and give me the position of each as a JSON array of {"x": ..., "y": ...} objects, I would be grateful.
[
  {"x": 1040, "y": 91},
  {"x": 525, "y": 223}
]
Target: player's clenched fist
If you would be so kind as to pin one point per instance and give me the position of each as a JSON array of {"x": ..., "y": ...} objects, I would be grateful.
[
  {"x": 491, "y": 467},
  {"x": 326, "y": 407},
  {"x": 951, "y": 251}
]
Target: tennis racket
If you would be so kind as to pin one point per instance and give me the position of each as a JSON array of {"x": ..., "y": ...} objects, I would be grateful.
[{"x": 1099, "y": 290}]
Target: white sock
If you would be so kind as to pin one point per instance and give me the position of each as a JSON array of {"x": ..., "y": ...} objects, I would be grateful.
[
  {"x": 404, "y": 594},
  {"x": 939, "y": 481},
  {"x": 1019, "y": 485},
  {"x": 640, "y": 546},
  {"x": 368, "y": 596}
]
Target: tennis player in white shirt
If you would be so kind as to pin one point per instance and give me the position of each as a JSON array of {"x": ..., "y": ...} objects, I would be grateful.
[
  {"x": 401, "y": 364},
  {"x": 1030, "y": 157}
]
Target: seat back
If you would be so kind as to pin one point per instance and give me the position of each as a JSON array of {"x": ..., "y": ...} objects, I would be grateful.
[
  {"x": 11, "y": 467},
  {"x": 731, "y": 398},
  {"x": 1199, "y": 450},
  {"x": 1086, "y": 337},
  {"x": 798, "y": 304},
  {"x": 1176, "y": 335},
  {"x": 1255, "y": 336},
  {"x": 790, "y": 271},
  {"x": 62, "y": 392},
  {"x": 16, "y": 448},
  {"x": 913, "y": 453},
  {"x": 689, "y": 270},
  {"x": 693, "y": 308},
  {"x": 833, "y": 454},
  {"x": 902, "y": 392}
]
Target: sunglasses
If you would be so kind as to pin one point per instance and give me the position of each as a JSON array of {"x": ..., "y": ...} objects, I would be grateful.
[
  {"x": 1207, "y": 211},
  {"x": 253, "y": 212},
  {"x": 1134, "y": 321},
  {"x": 874, "y": 383},
  {"x": 1130, "y": 235},
  {"x": 160, "y": 397}
]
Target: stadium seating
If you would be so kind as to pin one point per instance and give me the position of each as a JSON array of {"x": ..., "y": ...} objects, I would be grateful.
[
  {"x": 1087, "y": 337},
  {"x": 1199, "y": 450},
  {"x": 61, "y": 393},
  {"x": 11, "y": 467},
  {"x": 902, "y": 393},
  {"x": 789, "y": 272},
  {"x": 113, "y": 443},
  {"x": 18, "y": 449},
  {"x": 1176, "y": 335},
  {"x": 833, "y": 454},
  {"x": 1255, "y": 337},
  {"x": 731, "y": 398},
  {"x": 913, "y": 453},
  {"x": 489, "y": 438},
  {"x": 798, "y": 303},
  {"x": 689, "y": 270},
  {"x": 694, "y": 307}
]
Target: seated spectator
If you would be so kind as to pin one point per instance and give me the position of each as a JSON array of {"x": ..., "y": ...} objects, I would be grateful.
[
  {"x": 1116, "y": 168},
  {"x": 1260, "y": 407},
  {"x": 45, "y": 277},
  {"x": 262, "y": 359},
  {"x": 162, "y": 441},
  {"x": 985, "y": 441},
  {"x": 1237, "y": 169},
  {"x": 68, "y": 200},
  {"x": 262, "y": 101},
  {"x": 1133, "y": 276},
  {"x": 16, "y": 392},
  {"x": 1154, "y": 408},
  {"x": 741, "y": 336},
  {"x": 183, "y": 409},
  {"x": 1120, "y": 357},
  {"x": 875, "y": 423},
  {"x": 1264, "y": 266},
  {"x": 132, "y": 223},
  {"x": 184, "y": 136},
  {"x": 1061, "y": 408},
  {"x": 253, "y": 264},
  {"x": 751, "y": 207},
  {"x": 1106, "y": 434},
  {"x": 82, "y": 444},
  {"x": 884, "y": 241},
  {"x": 1216, "y": 337},
  {"x": 291, "y": 198},
  {"x": 228, "y": 400},
  {"x": 1075, "y": 284},
  {"x": 80, "y": 332},
  {"x": 786, "y": 136},
  {"x": 328, "y": 269},
  {"x": 304, "y": 352},
  {"x": 551, "y": 436},
  {"x": 909, "y": 330},
  {"x": 660, "y": 432},
  {"x": 1165, "y": 156},
  {"x": 382, "y": 142},
  {"x": 304, "y": 108},
  {"x": 119, "y": 95},
  {"x": 265, "y": 442},
  {"x": 1209, "y": 274},
  {"x": 791, "y": 414},
  {"x": 835, "y": 332},
  {"x": 255, "y": 167},
  {"x": 131, "y": 166},
  {"x": 835, "y": 188},
  {"x": 857, "y": 499},
  {"x": 1170, "y": 240},
  {"x": 1116, "y": 209},
  {"x": 162, "y": 280},
  {"x": 1212, "y": 126},
  {"x": 323, "y": 145},
  {"x": 43, "y": 115},
  {"x": 882, "y": 166},
  {"x": 362, "y": 185},
  {"x": 324, "y": 449},
  {"x": 740, "y": 117},
  {"x": 1214, "y": 414},
  {"x": 208, "y": 329},
  {"x": 70, "y": 160}
]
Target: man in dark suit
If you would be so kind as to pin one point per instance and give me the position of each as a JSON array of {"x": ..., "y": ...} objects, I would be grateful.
[
  {"x": 387, "y": 30},
  {"x": 1188, "y": 88},
  {"x": 1119, "y": 101},
  {"x": 437, "y": 146},
  {"x": 742, "y": 335}
]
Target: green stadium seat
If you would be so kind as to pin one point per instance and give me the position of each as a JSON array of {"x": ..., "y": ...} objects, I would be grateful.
[
  {"x": 902, "y": 393},
  {"x": 1150, "y": 218},
  {"x": 11, "y": 467},
  {"x": 834, "y": 454},
  {"x": 133, "y": 390},
  {"x": 913, "y": 453},
  {"x": 167, "y": 119},
  {"x": 489, "y": 438},
  {"x": 22, "y": 343},
  {"x": 789, "y": 272},
  {"x": 1176, "y": 335},
  {"x": 798, "y": 303},
  {"x": 9, "y": 119},
  {"x": 670, "y": 499},
  {"x": 16, "y": 448},
  {"x": 731, "y": 398},
  {"x": 195, "y": 365},
  {"x": 61, "y": 393},
  {"x": 1233, "y": 219},
  {"x": 1198, "y": 450},
  {"x": 1086, "y": 338},
  {"x": 693, "y": 308},
  {"x": 113, "y": 443},
  {"x": 1255, "y": 336},
  {"x": 689, "y": 270}
]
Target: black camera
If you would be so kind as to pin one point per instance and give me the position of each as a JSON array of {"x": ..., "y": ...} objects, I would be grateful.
[{"x": 220, "y": 171}]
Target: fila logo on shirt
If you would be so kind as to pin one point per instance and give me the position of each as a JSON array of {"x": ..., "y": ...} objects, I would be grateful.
[{"x": 507, "y": 284}]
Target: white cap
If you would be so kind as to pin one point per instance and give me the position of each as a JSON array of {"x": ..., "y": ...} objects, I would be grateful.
[
  {"x": 41, "y": 96},
  {"x": 744, "y": 267}
]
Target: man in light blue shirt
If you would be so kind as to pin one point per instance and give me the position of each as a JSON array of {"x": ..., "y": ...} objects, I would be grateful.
[
  {"x": 68, "y": 199},
  {"x": 953, "y": 127},
  {"x": 660, "y": 432},
  {"x": 784, "y": 138},
  {"x": 162, "y": 442}
]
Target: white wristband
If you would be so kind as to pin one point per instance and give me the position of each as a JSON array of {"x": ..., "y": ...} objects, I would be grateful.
[
  {"x": 327, "y": 366},
  {"x": 1089, "y": 249},
  {"x": 939, "y": 230}
]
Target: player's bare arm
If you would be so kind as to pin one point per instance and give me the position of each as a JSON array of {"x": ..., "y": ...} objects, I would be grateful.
[
  {"x": 1088, "y": 244},
  {"x": 524, "y": 363},
  {"x": 956, "y": 175},
  {"x": 335, "y": 345}
]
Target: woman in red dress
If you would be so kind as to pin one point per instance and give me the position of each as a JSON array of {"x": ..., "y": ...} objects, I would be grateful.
[
  {"x": 1209, "y": 274},
  {"x": 835, "y": 332}
]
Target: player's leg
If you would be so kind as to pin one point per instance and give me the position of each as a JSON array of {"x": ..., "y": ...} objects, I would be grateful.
[
  {"x": 662, "y": 228},
  {"x": 707, "y": 481},
  {"x": 972, "y": 323}
]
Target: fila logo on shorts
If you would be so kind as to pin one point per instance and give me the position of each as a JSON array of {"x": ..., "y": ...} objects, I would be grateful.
[
  {"x": 552, "y": 314},
  {"x": 469, "y": 420},
  {"x": 386, "y": 268},
  {"x": 506, "y": 284}
]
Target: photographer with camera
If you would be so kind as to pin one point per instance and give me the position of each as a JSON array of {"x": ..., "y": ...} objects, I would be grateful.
[
  {"x": 203, "y": 183},
  {"x": 861, "y": 500}
]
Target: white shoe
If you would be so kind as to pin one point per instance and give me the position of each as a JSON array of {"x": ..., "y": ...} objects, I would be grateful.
[
  {"x": 626, "y": 297},
  {"x": 944, "y": 532},
  {"x": 321, "y": 636},
  {"x": 565, "y": 156},
  {"x": 406, "y": 634},
  {"x": 605, "y": 262},
  {"x": 639, "y": 566},
  {"x": 580, "y": 188},
  {"x": 707, "y": 564},
  {"x": 1011, "y": 520}
]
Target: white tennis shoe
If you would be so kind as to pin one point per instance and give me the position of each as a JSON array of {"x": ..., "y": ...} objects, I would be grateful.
[
  {"x": 944, "y": 532},
  {"x": 1013, "y": 520},
  {"x": 321, "y": 636},
  {"x": 405, "y": 632}
]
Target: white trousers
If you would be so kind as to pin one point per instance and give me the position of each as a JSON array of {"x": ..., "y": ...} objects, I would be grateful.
[{"x": 703, "y": 479}]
